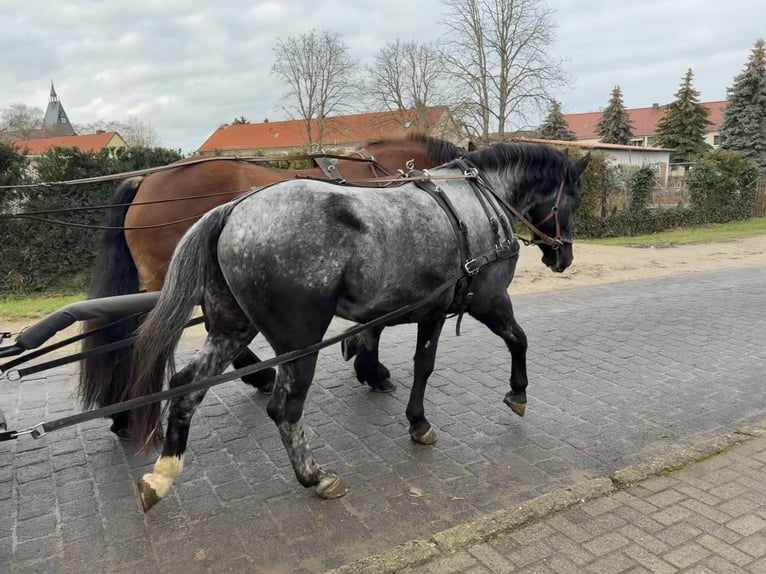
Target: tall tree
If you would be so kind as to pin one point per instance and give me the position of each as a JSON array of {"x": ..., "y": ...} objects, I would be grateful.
[
  {"x": 683, "y": 125},
  {"x": 499, "y": 58},
  {"x": 744, "y": 123},
  {"x": 319, "y": 74},
  {"x": 407, "y": 75},
  {"x": 614, "y": 127},
  {"x": 555, "y": 127},
  {"x": 21, "y": 120}
]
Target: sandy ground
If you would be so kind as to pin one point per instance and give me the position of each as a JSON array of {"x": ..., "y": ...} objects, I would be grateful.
[{"x": 596, "y": 264}]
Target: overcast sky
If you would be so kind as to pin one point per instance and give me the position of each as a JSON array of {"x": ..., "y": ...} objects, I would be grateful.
[{"x": 185, "y": 67}]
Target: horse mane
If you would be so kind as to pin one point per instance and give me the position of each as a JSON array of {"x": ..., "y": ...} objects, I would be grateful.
[
  {"x": 535, "y": 160},
  {"x": 439, "y": 151}
]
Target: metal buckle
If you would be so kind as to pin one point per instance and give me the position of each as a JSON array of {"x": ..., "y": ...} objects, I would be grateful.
[
  {"x": 471, "y": 266},
  {"x": 33, "y": 430}
]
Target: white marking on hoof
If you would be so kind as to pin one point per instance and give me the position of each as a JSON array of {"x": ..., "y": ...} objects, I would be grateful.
[{"x": 165, "y": 470}]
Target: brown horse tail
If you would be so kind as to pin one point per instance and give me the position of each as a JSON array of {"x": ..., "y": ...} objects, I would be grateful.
[
  {"x": 103, "y": 378},
  {"x": 158, "y": 337}
]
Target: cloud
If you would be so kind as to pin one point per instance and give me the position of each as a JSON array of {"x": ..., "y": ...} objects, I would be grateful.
[{"x": 186, "y": 67}]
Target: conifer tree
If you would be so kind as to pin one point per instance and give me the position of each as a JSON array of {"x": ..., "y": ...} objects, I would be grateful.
[
  {"x": 744, "y": 124},
  {"x": 555, "y": 127},
  {"x": 614, "y": 126},
  {"x": 683, "y": 125}
]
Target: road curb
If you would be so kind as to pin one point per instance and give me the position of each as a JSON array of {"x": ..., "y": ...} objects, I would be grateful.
[{"x": 462, "y": 536}]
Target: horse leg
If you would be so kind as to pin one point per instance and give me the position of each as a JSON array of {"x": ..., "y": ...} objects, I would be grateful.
[
  {"x": 367, "y": 365},
  {"x": 261, "y": 380},
  {"x": 498, "y": 317},
  {"x": 286, "y": 410},
  {"x": 229, "y": 331},
  {"x": 425, "y": 355}
]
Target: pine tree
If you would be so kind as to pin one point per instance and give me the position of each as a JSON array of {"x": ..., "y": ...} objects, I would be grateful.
[
  {"x": 683, "y": 126},
  {"x": 614, "y": 126},
  {"x": 744, "y": 123},
  {"x": 555, "y": 127}
]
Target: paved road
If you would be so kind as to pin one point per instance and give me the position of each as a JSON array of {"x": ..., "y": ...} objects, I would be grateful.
[{"x": 618, "y": 374}]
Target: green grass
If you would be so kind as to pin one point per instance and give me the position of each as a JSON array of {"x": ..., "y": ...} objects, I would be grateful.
[
  {"x": 689, "y": 235},
  {"x": 18, "y": 309}
]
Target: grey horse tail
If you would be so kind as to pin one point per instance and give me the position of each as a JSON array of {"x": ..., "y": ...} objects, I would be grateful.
[{"x": 157, "y": 338}]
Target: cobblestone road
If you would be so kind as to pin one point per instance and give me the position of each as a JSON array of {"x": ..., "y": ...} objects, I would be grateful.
[{"x": 618, "y": 373}]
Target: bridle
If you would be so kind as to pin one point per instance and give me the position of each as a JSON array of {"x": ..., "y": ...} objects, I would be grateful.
[
  {"x": 538, "y": 237},
  {"x": 556, "y": 241}
]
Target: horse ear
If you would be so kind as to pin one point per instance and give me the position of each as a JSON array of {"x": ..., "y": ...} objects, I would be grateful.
[
  {"x": 471, "y": 146},
  {"x": 582, "y": 164}
]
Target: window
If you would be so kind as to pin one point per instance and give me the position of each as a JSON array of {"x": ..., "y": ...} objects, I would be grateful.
[{"x": 716, "y": 140}]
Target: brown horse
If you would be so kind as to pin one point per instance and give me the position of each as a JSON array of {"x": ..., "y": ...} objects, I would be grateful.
[{"x": 138, "y": 247}]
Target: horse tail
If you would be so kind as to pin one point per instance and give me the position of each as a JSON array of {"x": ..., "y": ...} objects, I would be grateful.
[
  {"x": 103, "y": 377},
  {"x": 194, "y": 259}
]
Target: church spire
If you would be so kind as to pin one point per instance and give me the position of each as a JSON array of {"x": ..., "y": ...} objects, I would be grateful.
[{"x": 56, "y": 121}]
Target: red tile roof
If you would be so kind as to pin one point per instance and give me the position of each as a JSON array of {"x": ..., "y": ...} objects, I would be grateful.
[
  {"x": 85, "y": 143},
  {"x": 338, "y": 130},
  {"x": 643, "y": 120}
]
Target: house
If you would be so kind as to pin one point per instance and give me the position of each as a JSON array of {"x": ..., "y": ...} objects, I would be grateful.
[
  {"x": 621, "y": 155},
  {"x": 644, "y": 122},
  {"x": 86, "y": 143},
  {"x": 341, "y": 133}
]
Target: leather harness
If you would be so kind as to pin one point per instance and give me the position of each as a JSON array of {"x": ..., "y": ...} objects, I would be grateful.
[{"x": 470, "y": 264}]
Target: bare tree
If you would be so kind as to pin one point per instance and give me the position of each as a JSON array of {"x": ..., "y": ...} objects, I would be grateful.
[
  {"x": 407, "y": 75},
  {"x": 498, "y": 54},
  {"x": 319, "y": 74},
  {"x": 21, "y": 119},
  {"x": 135, "y": 131}
]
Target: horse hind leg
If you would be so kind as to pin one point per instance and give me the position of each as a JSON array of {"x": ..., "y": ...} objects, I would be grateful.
[
  {"x": 367, "y": 365},
  {"x": 262, "y": 380},
  {"x": 300, "y": 322},
  {"x": 229, "y": 330}
]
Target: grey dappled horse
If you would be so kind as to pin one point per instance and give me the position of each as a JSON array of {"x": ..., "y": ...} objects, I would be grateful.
[{"x": 286, "y": 259}]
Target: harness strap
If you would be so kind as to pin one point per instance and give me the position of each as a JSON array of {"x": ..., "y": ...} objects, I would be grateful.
[{"x": 330, "y": 169}]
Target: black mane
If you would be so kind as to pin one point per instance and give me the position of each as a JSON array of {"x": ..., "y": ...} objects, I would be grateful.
[{"x": 528, "y": 157}]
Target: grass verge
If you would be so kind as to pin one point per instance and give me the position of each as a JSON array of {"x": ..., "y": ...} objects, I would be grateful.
[
  {"x": 690, "y": 235},
  {"x": 18, "y": 308}
]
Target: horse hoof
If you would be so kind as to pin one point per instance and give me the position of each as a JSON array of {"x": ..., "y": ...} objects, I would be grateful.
[
  {"x": 427, "y": 438},
  {"x": 384, "y": 386},
  {"x": 148, "y": 495},
  {"x": 263, "y": 381},
  {"x": 331, "y": 487},
  {"x": 347, "y": 349},
  {"x": 518, "y": 408}
]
